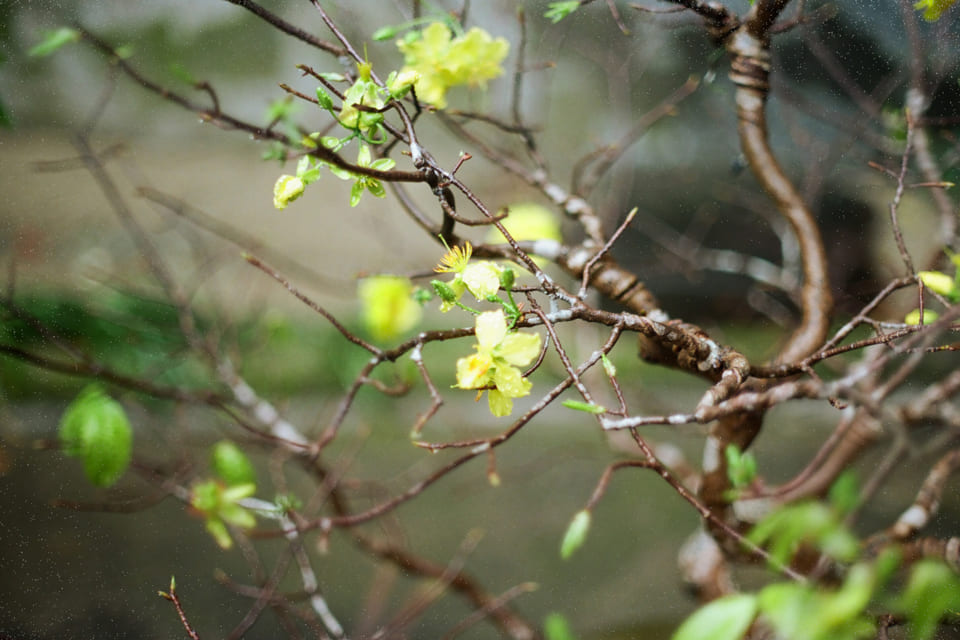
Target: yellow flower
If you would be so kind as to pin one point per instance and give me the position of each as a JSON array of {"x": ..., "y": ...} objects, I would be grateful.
[
  {"x": 443, "y": 61},
  {"x": 939, "y": 282},
  {"x": 495, "y": 364},
  {"x": 398, "y": 84},
  {"x": 482, "y": 279},
  {"x": 913, "y": 317},
  {"x": 389, "y": 309},
  {"x": 455, "y": 259},
  {"x": 528, "y": 222},
  {"x": 933, "y": 9},
  {"x": 286, "y": 190}
]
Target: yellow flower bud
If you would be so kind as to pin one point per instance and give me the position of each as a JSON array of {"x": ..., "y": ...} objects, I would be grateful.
[
  {"x": 286, "y": 190},
  {"x": 939, "y": 282}
]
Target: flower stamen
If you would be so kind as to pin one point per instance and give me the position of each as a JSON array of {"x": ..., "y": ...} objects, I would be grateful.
[{"x": 455, "y": 259}]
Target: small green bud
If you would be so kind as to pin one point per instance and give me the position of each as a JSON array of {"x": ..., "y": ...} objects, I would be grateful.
[
  {"x": 53, "y": 40},
  {"x": 331, "y": 142},
  {"x": 608, "y": 366},
  {"x": 287, "y": 502},
  {"x": 399, "y": 84},
  {"x": 576, "y": 533},
  {"x": 576, "y": 405},
  {"x": 385, "y": 33},
  {"x": 507, "y": 278},
  {"x": 324, "y": 99},
  {"x": 444, "y": 291}
]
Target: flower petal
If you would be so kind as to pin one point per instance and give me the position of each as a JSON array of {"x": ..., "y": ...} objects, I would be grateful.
[
  {"x": 482, "y": 279},
  {"x": 519, "y": 349},
  {"x": 500, "y": 405},
  {"x": 472, "y": 371},
  {"x": 286, "y": 190},
  {"x": 510, "y": 382},
  {"x": 491, "y": 329}
]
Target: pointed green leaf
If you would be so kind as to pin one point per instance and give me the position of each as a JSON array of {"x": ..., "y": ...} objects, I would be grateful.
[
  {"x": 232, "y": 464},
  {"x": 324, "y": 99},
  {"x": 385, "y": 33},
  {"x": 727, "y": 618},
  {"x": 356, "y": 191},
  {"x": 576, "y": 405},
  {"x": 53, "y": 40},
  {"x": 576, "y": 533}
]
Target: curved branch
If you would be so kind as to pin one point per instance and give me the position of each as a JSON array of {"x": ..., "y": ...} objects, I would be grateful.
[{"x": 750, "y": 69}]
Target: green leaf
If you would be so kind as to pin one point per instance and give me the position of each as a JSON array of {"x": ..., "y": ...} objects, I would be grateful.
[
  {"x": 324, "y": 99},
  {"x": 53, "y": 40},
  {"x": 356, "y": 191},
  {"x": 807, "y": 522},
  {"x": 741, "y": 467},
  {"x": 932, "y": 590},
  {"x": 845, "y": 492},
  {"x": 556, "y": 627},
  {"x": 576, "y": 405},
  {"x": 95, "y": 429},
  {"x": 576, "y": 533},
  {"x": 608, "y": 366},
  {"x": 727, "y": 618},
  {"x": 287, "y": 502},
  {"x": 385, "y": 33},
  {"x": 183, "y": 74},
  {"x": 803, "y": 612},
  {"x": 216, "y": 528},
  {"x": 557, "y": 11},
  {"x": 124, "y": 51},
  {"x": 232, "y": 464}
]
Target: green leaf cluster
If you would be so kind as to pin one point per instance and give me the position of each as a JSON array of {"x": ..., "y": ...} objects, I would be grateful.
[
  {"x": 557, "y": 11},
  {"x": 932, "y": 591},
  {"x": 217, "y": 504},
  {"x": 812, "y": 523},
  {"x": 741, "y": 467},
  {"x": 95, "y": 429},
  {"x": 933, "y": 9}
]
